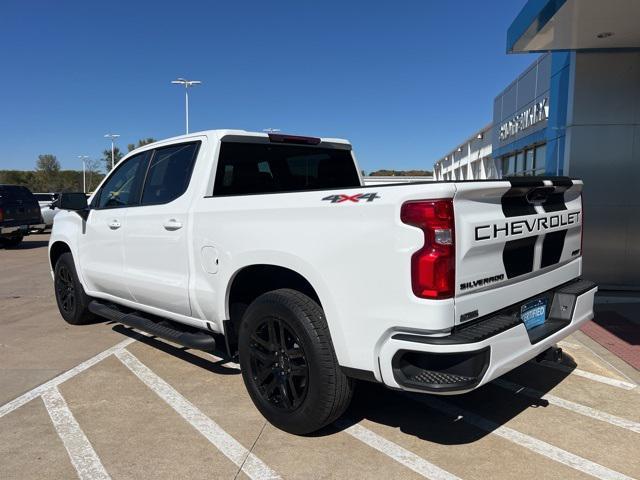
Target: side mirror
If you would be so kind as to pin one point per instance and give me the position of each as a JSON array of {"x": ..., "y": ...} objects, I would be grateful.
[{"x": 75, "y": 201}]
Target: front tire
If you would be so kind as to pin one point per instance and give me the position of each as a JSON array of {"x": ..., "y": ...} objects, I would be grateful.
[
  {"x": 73, "y": 303},
  {"x": 289, "y": 365}
]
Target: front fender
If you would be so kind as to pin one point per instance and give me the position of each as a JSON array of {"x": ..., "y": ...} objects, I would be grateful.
[{"x": 66, "y": 229}]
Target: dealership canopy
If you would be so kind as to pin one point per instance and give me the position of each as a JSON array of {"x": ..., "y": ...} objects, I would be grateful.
[{"x": 544, "y": 25}]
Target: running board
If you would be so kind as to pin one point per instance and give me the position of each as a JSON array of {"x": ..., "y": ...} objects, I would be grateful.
[{"x": 168, "y": 330}]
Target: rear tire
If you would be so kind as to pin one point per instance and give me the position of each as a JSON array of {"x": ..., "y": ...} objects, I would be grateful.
[
  {"x": 13, "y": 242},
  {"x": 73, "y": 303},
  {"x": 289, "y": 365}
]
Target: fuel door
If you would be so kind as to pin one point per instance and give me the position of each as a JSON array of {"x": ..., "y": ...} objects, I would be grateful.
[{"x": 210, "y": 260}]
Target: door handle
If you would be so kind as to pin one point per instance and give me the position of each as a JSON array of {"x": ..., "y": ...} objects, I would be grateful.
[
  {"x": 172, "y": 224},
  {"x": 114, "y": 224}
]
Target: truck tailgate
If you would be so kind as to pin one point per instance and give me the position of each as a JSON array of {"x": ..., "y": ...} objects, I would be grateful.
[{"x": 515, "y": 238}]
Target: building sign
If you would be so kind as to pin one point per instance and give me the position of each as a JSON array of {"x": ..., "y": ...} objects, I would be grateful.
[{"x": 536, "y": 113}]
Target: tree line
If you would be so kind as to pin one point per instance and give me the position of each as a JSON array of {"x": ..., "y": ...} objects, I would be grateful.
[
  {"x": 48, "y": 176},
  {"x": 401, "y": 173}
]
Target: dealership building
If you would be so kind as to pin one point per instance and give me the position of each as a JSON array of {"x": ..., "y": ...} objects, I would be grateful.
[{"x": 575, "y": 111}]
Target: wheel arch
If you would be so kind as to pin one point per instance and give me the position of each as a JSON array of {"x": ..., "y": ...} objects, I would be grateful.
[
  {"x": 251, "y": 281},
  {"x": 56, "y": 250}
]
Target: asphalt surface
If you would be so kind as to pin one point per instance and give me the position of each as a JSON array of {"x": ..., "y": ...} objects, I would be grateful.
[{"x": 102, "y": 401}]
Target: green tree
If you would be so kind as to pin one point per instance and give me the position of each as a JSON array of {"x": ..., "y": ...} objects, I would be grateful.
[
  {"x": 106, "y": 158},
  {"x": 18, "y": 177},
  {"x": 92, "y": 173},
  {"x": 47, "y": 163},
  {"x": 141, "y": 143},
  {"x": 65, "y": 180},
  {"x": 401, "y": 173},
  {"x": 47, "y": 173}
]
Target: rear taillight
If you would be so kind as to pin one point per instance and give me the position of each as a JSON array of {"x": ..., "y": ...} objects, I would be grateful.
[
  {"x": 1, "y": 214},
  {"x": 433, "y": 266}
]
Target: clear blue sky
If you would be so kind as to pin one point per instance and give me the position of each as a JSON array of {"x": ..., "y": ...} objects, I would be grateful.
[{"x": 404, "y": 81}]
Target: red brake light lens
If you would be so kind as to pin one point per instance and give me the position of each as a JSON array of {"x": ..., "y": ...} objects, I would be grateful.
[
  {"x": 1, "y": 214},
  {"x": 433, "y": 266}
]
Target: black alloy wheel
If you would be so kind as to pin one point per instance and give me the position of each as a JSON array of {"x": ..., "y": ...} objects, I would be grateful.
[
  {"x": 73, "y": 302},
  {"x": 278, "y": 364},
  {"x": 288, "y": 362},
  {"x": 65, "y": 290}
]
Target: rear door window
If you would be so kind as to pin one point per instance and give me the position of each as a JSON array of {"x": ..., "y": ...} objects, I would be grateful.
[
  {"x": 169, "y": 173},
  {"x": 245, "y": 168}
]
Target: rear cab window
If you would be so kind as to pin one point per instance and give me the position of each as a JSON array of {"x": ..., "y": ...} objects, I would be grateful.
[
  {"x": 254, "y": 168},
  {"x": 15, "y": 192}
]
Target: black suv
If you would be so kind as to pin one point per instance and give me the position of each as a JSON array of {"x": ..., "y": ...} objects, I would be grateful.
[{"x": 19, "y": 210}]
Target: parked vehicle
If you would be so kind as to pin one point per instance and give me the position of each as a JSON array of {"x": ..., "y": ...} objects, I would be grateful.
[
  {"x": 316, "y": 280},
  {"x": 19, "y": 212},
  {"x": 47, "y": 210}
]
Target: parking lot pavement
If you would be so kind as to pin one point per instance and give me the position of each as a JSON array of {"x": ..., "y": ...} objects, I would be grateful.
[{"x": 103, "y": 401}]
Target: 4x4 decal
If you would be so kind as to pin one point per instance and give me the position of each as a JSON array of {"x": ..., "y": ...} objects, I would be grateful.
[{"x": 342, "y": 197}]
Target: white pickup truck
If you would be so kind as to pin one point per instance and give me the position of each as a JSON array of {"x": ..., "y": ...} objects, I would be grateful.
[{"x": 271, "y": 246}]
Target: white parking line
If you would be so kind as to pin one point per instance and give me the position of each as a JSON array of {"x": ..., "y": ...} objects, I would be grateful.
[
  {"x": 569, "y": 405},
  {"x": 576, "y": 346},
  {"x": 591, "y": 376},
  {"x": 387, "y": 447},
  {"x": 39, "y": 390},
  {"x": 396, "y": 452},
  {"x": 82, "y": 455},
  {"x": 538, "y": 446},
  {"x": 565, "y": 344},
  {"x": 229, "y": 446}
]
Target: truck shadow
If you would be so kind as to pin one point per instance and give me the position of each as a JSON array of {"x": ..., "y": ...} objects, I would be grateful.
[
  {"x": 27, "y": 245},
  {"x": 441, "y": 419}
]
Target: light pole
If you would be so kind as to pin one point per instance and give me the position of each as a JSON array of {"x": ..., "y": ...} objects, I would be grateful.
[
  {"x": 84, "y": 172},
  {"x": 187, "y": 84},
  {"x": 112, "y": 136}
]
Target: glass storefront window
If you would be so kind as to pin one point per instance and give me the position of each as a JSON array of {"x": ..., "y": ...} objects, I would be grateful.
[
  {"x": 541, "y": 159},
  {"x": 529, "y": 160},
  {"x": 519, "y": 162}
]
